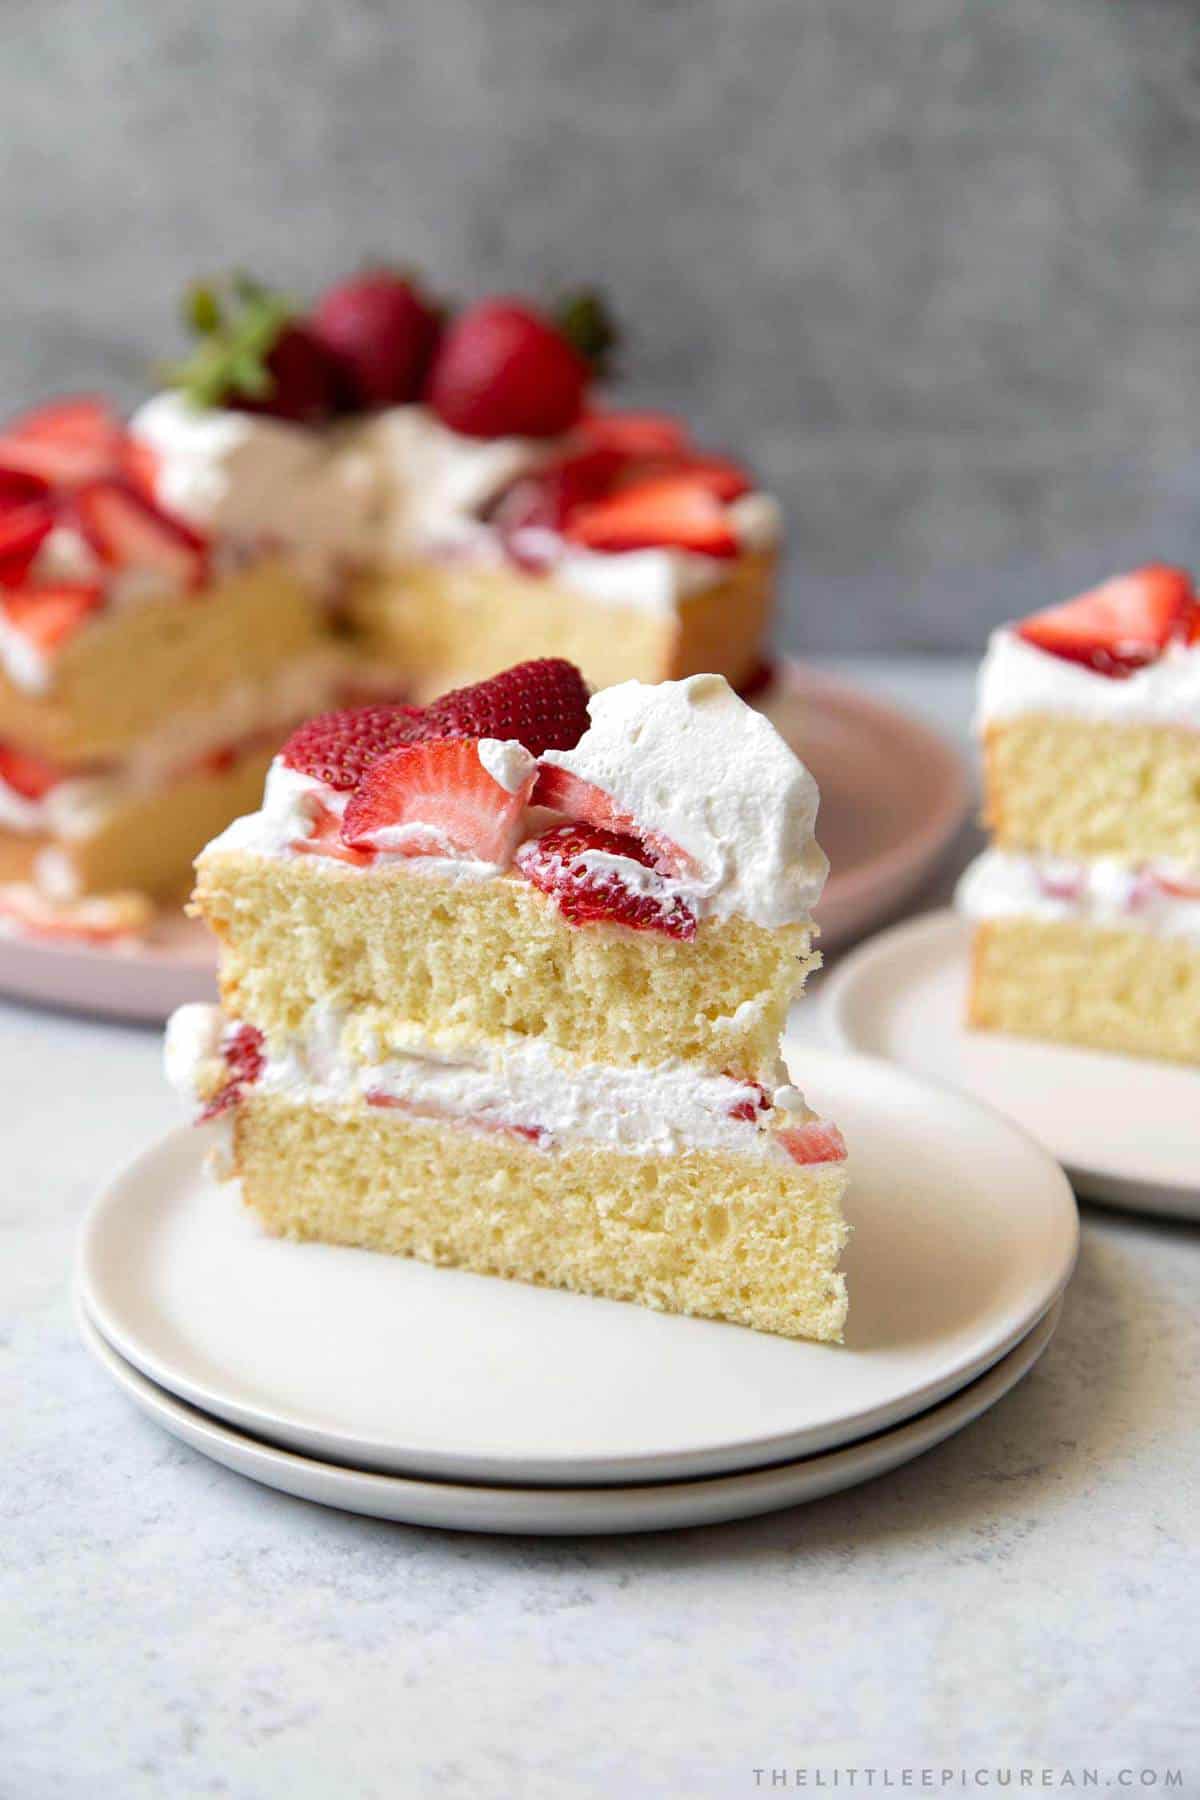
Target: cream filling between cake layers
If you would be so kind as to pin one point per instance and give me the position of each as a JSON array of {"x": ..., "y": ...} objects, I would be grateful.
[
  {"x": 81, "y": 804},
  {"x": 1161, "y": 898},
  {"x": 1017, "y": 679},
  {"x": 520, "y": 1086}
]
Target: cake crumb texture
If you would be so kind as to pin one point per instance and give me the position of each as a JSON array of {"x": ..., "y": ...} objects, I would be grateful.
[{"x": 1084, "y": 984}]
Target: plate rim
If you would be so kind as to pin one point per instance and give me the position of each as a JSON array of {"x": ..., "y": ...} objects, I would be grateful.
[
  {"x": 1178, "y": 1199},
  {"x": 754, "y": 1491},
  {"x": 456, "y": 1463}
]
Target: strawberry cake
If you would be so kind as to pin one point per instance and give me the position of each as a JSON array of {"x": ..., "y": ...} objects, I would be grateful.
[
  {"x": 1087, "y": 904},
  {"x": 147, "y": 673},
  {"x": 479, "y": 503},
  {"x": 502, "y": 984}
]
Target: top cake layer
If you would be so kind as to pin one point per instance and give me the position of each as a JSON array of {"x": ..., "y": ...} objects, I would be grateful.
[
  {"x": 638, "y": 895},
  {"x": 1090, "y": 717}
]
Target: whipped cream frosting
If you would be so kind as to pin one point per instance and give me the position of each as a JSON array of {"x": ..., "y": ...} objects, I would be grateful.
[
  {"x": 518, "y": 1084},
  {"x": 1005, "y": 884},
  {"x": 687, "y": 760},
  {"x": 692, "y": 763},
  {"x": 395, "y": 485},
  {"x": 1017, "y": 678},
  {"x": 263, "y": 480}
]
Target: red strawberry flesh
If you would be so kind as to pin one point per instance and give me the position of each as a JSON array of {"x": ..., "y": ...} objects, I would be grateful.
[
  {"x": 48, "y": 616},
  {"x": 503, "y": 370},
  {"x": 126, "y": 529},
  {"x": 380, "y": 332},
  {"x": 564, "y": 792},
  {"x": 436, "y": 799},
  {"x": 1121, "y": 626},
  {"x": 675, "y": 511},
  {"x": 23, "y": 531},
  {"x": 64, "y": 443},
  {"x": 26, "y": 774},
  {"x": 595, "y": 892},
  {"x": 816, "y": 1142}
]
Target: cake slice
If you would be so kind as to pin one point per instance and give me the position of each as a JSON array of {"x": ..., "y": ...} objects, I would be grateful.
[
  {"x": 503, "y": 980},
  {"x": 1087, "y": 906}
]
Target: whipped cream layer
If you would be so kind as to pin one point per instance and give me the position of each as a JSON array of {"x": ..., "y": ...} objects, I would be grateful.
[
  {"x": 397, "y": 485},
  {"x": 1161, "y": 898},
  {"x": 1017, "y": 678},
  {"x": 691, "y": 765},
  {"x": 519, "y": 1085}
]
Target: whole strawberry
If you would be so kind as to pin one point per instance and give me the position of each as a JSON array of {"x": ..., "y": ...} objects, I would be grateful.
[
  {"x": 254, "y": 355},
  {"x": 380, "y": 332},
  {"x": 503, "y": 369}
]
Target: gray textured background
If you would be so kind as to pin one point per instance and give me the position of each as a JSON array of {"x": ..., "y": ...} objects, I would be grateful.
[{"x": 935, "y": 265}]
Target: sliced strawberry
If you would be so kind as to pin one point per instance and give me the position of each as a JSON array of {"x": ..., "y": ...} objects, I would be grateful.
[
  {"x": 750, "y": 1109},
  {"x": 244, "y": 1058},
  {"x": 67, "y": 442},
  {"x": 139, "y": 464},
  {"x": 26, "y": 774},
  {"x": 1121, "y": 626},
  {"x": 563, "y": 792},
  {"x": 443, "y": 795},
  {"x": 23, "y": 531},
  {"x": 126, "y": 530},
  {"x": 546, "y": 497},
  {"x": 325, "y": 839},
  {"x": 816, "y": 1142},
  {"x": 18, "y": 488},
  {"x": 338, "y": 747},
  {"x": 722, "y": 477},
  {"x": 47, "y": 616},
  {"x": 542, "y": 704},
  {"x": 594, "y": 892},
  {"x": 675, "y": 511},
  {"x": 634, "y": 433},
  {"x": 1181, "y": 887}
]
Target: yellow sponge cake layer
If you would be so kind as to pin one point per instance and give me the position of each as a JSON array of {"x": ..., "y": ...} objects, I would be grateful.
[
  {"x": 1112, "y": 989},
  {"x": 704, "y": 1233},
  {"x": 449, "y": 622},
  {"x": 133, "y": 669},
  {"x": 475, "y": 961},
  {"x": 1083, "y": 789}
]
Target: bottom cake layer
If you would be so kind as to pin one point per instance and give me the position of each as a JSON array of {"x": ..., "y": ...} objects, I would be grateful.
[
  {"x": 1108, "y": 988},
  {"x": 706, "y": 1233}
]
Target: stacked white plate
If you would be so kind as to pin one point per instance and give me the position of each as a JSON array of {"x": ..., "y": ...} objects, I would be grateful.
[{"x": 438, "y": 1397}]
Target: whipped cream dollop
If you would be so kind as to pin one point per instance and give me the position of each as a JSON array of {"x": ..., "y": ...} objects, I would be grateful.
[
  {"x": 1153, "y": 897},
  {"x": 1017, "y": 678},
  {"x": 520, "y": 1085},
  {"x": 263, "y": 480},
  {"x": 690, "y": 762}
]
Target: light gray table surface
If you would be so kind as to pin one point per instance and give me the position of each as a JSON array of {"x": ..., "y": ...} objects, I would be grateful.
[{"x": 1026, "y": 1596}]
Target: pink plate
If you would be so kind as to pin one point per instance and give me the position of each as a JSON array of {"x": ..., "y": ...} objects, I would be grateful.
[{"x": 892, "y": 796}]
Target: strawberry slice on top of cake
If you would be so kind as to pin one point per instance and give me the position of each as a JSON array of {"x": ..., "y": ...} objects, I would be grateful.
[
  {"x": 1086, "y": 908},
  {"x": 503, "y": 979}
]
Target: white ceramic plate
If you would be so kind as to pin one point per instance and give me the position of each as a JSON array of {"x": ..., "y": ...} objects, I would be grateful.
[
  {"x": 655, "y": 1507},
  {"x": 145, "y": 978},
  {"x": 892, "y": 796},
  {"x": 1126, "y": 1129},
  {"x": 965, "y": 1234}
]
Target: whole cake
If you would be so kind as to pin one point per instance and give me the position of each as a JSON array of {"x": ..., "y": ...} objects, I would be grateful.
[
  {"x": 366, "y": 497},
  {"x": 1087, "y": 906},
  {"x": 503, "y": 980}
]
